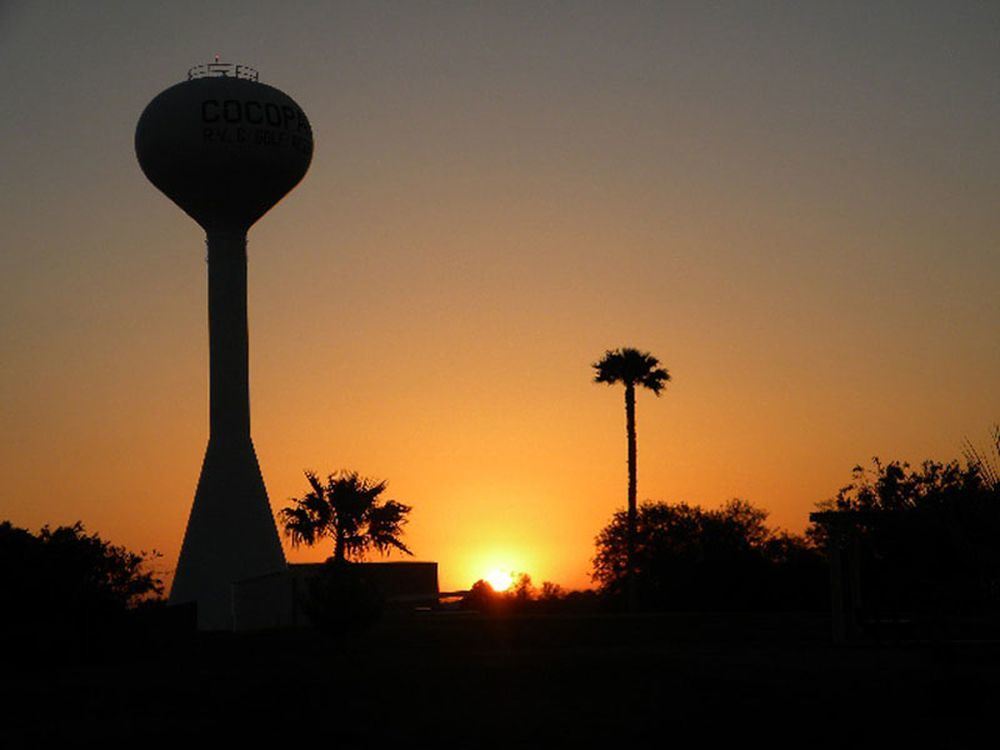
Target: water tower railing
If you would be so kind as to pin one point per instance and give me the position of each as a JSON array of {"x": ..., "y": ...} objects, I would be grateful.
[{"x": 223, "y": 70}]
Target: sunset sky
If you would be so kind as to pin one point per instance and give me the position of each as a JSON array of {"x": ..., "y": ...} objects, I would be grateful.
[{"x": 793, "y": 205}]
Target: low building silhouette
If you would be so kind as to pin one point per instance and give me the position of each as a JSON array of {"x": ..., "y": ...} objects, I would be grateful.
[{"x": 275, "y": 600}]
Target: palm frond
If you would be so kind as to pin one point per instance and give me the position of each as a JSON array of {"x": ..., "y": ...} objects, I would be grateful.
[
  {"x": 385, "y": 526},
  {"x": 986, "y": 462},
  {"x": 347, "y": 509},
  {"x": 298, "y": 525},
  {"x": 314, "y": 481},
  {"x": 631, "y": 366}
]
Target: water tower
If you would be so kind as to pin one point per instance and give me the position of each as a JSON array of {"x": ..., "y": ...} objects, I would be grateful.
[{"x": 225, "y": 148}]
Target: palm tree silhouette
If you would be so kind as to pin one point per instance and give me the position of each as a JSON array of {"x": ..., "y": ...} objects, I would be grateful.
[
  {"x": 631, "y": 367},
  {"x": 347, "y": 510}
]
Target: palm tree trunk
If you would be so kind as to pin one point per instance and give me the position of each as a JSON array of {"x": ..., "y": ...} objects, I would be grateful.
[{"x": 630, "y": 530}]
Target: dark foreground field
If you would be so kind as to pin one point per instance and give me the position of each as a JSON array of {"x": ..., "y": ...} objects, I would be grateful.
[{"x": 472, "y": 681}]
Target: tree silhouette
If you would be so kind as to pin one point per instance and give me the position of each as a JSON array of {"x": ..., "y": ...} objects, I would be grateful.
[
  {"x": 690, "y": 558},
  {"x": 926, "y": 540},
  {"x": 68, "y": 594},
  {"x": 631, "y": 367},
  {"x": 348, "y": 510}
]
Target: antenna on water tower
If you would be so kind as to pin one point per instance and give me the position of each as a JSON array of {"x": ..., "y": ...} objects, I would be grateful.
[{"x": 225, "y": 148}]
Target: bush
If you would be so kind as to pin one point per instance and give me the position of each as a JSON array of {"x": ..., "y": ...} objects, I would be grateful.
[
  {"x": 928, "y": 538},
  {"x": 522, "y": 598},
  {"x": 68, "y": 591},
  {"x": 688, "y": 558},
  {"x": 341, "y": 600}
]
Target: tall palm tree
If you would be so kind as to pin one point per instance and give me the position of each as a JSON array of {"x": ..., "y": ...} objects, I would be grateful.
[
  {"x": 633, "y": 368},
  {"x": 347, "y": 510}
]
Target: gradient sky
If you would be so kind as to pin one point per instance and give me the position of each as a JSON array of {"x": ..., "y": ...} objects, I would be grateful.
[{"x": 793, "y": 205}]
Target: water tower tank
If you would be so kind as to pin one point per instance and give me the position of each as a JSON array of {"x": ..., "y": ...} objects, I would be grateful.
[{"x": 225, "y": 148}]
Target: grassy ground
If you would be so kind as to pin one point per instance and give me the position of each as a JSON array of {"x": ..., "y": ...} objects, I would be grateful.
[{"x": 474, "y": 681}]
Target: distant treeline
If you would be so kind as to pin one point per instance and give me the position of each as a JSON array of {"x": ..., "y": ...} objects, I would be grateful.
[
  {"x": 923, "y": 542},
  {"x": 687, "y": 559}
]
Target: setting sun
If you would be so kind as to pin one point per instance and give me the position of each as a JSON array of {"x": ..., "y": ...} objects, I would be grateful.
[{"x": 500, "y": 580}]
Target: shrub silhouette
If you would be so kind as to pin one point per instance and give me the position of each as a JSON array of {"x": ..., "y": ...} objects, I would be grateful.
[
  {"x": 928, "y": 537},
  {"x": 341, "y": 600},
  {"x": 483, "y": 597},
  {"x": 69, "y": 591},
  {"x": 727, "y": 559},
  {"x": 522, "y": 598}
]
